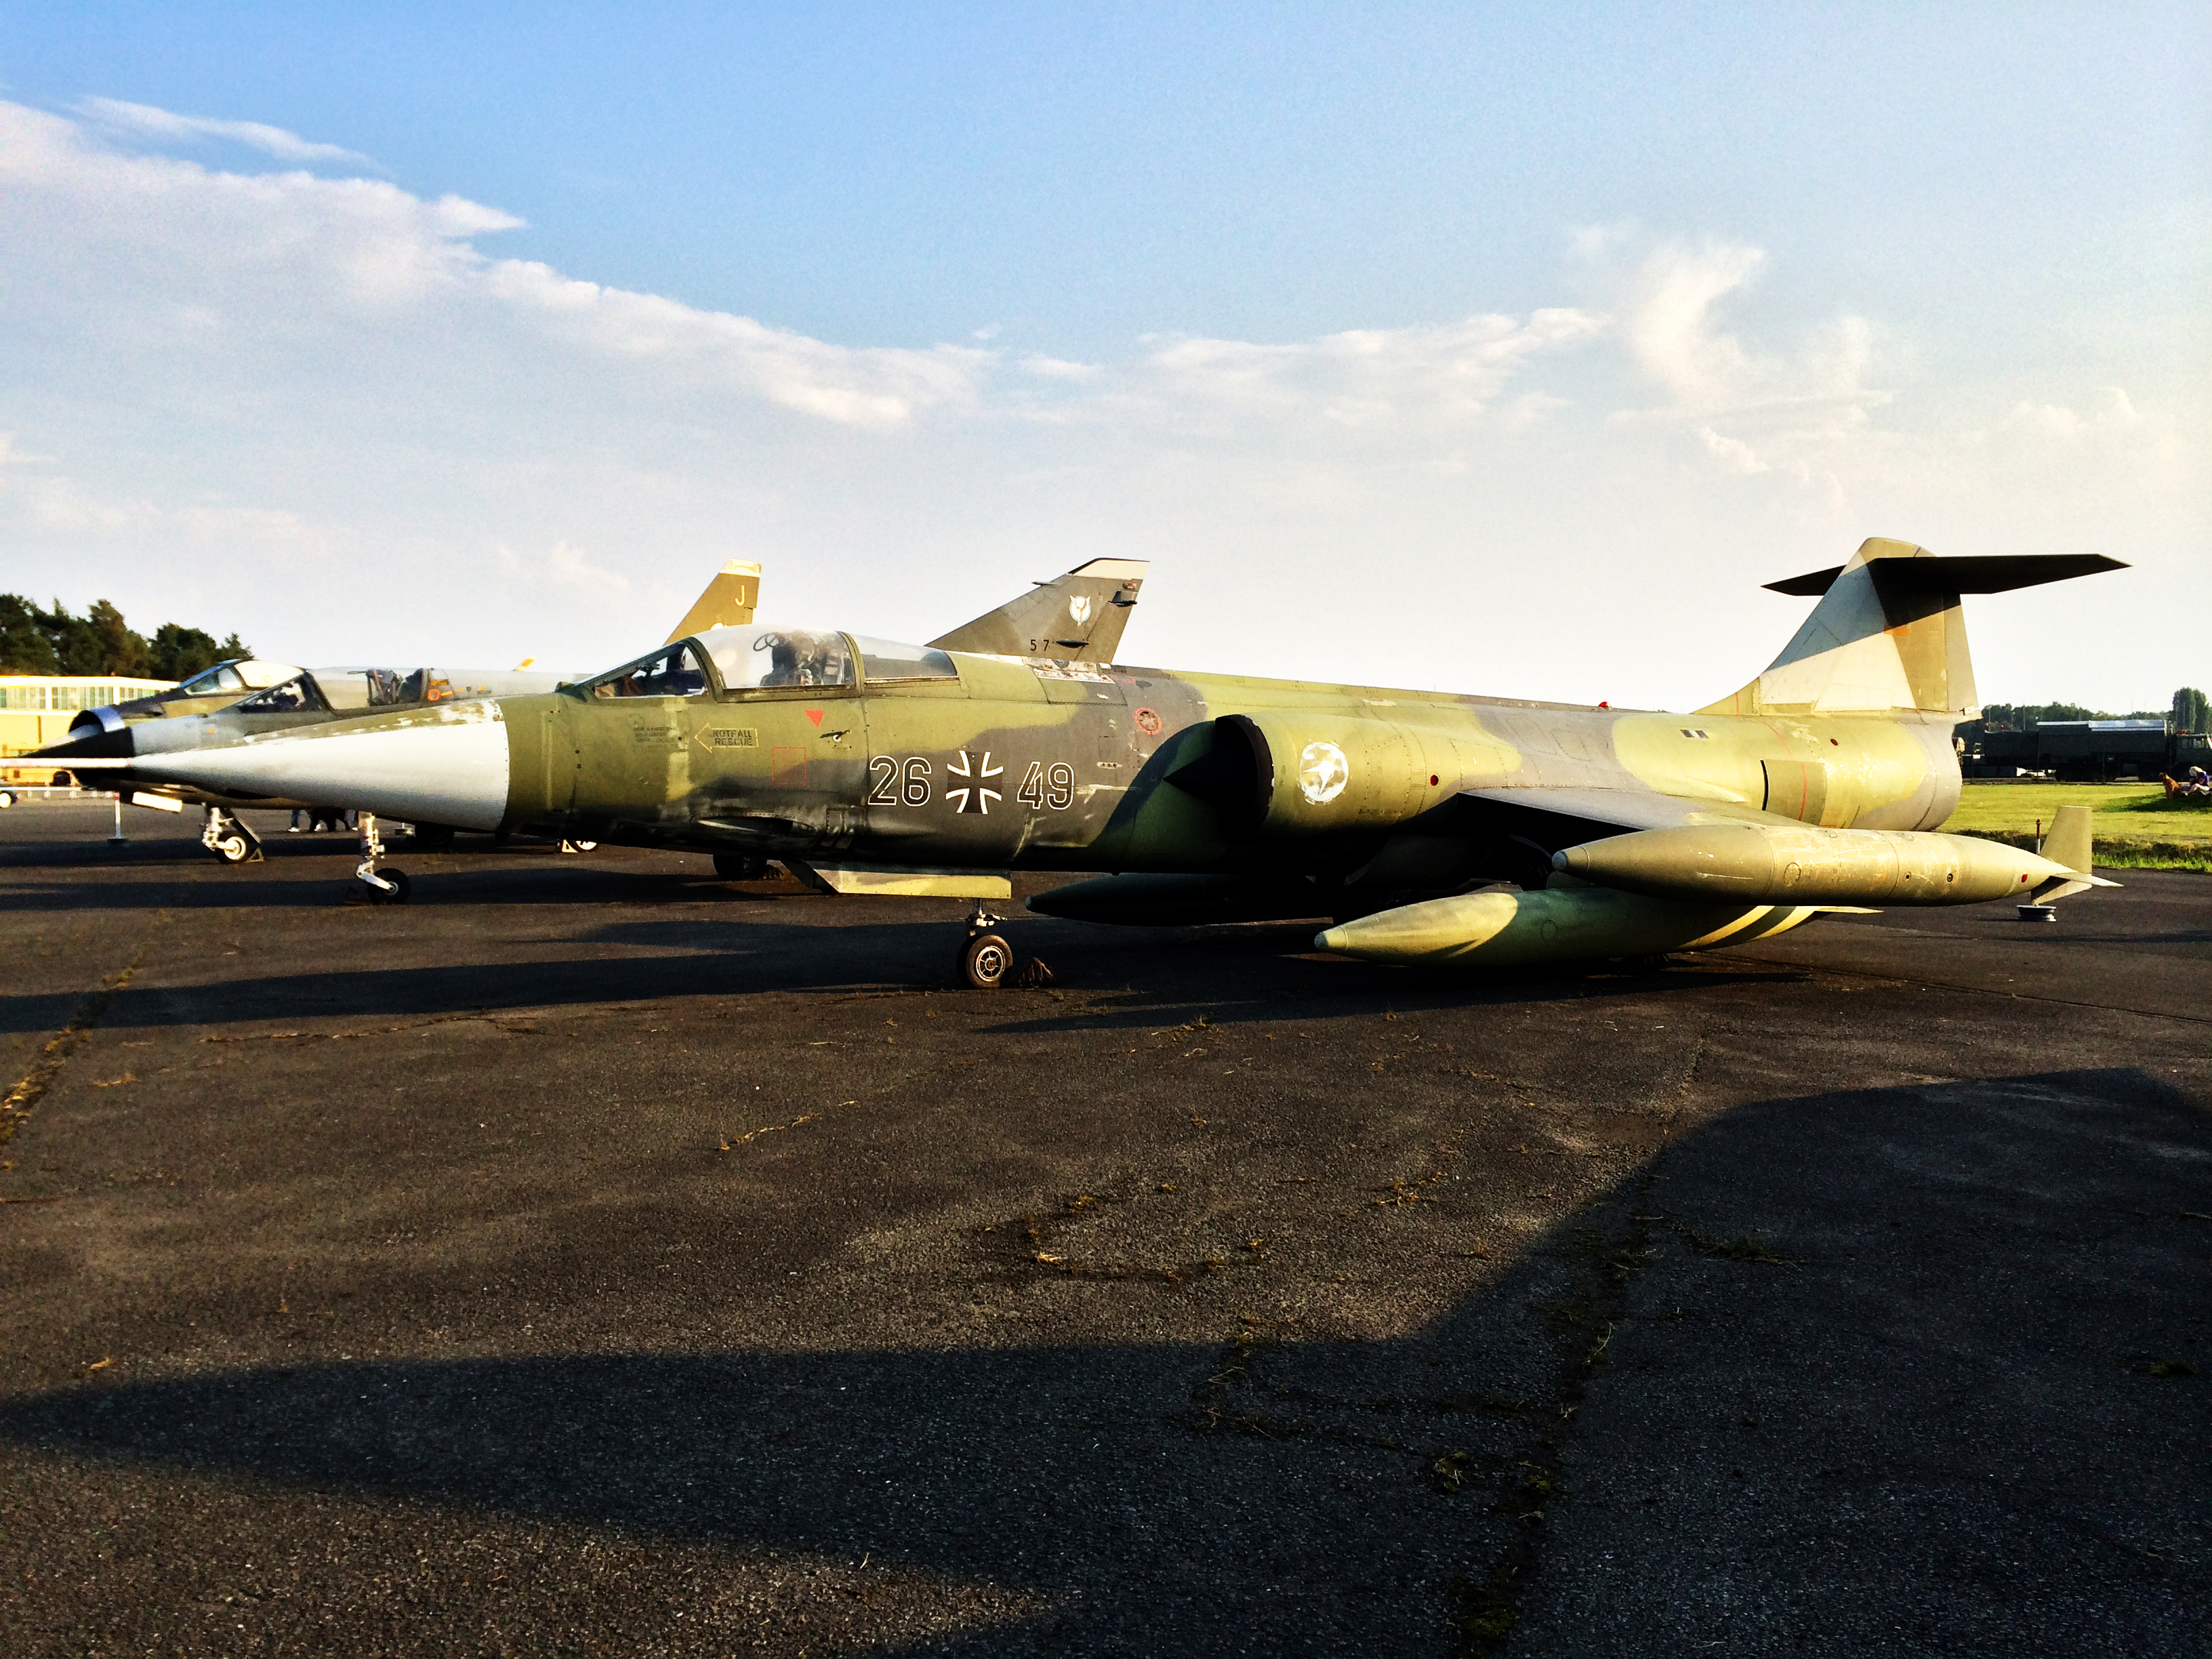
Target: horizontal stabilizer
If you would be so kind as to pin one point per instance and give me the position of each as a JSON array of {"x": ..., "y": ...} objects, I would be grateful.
[
  {"x": 1889, "y": 636},
  {"x": 1996, "y": 574}
]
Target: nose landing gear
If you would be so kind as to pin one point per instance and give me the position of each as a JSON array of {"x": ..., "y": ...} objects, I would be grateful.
[
  {"x": 369, "y": 887},
  {"x": 229, "y": 840}
]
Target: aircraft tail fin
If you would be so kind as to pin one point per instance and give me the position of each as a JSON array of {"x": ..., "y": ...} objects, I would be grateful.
[
  {"x": 1888, "y": 636},
  {"x": 728, "y": 601},
  {"x": 1079, "y": 616}
]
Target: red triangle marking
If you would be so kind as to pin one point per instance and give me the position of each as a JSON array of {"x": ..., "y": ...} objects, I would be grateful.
[{"x": 814, "y": 715}]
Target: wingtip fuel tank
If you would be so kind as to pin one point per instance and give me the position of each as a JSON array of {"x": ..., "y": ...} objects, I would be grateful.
[{"x": 1802, "y": 864}]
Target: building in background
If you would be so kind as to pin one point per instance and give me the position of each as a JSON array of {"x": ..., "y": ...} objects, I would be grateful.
[{"x": 36, "y": 709}]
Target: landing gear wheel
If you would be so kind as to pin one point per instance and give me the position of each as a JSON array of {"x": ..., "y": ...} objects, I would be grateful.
[
  {"x": 740, "y": 866},
  {"x": 232, "y": 848},
  {"x": 985, "y": 961},
  {"x": 432, "y": 837},
  {"x": 396, "y": 894}
]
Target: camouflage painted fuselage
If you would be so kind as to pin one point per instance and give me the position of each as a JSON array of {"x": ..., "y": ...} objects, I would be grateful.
[{"x": 1026, "y": 764}]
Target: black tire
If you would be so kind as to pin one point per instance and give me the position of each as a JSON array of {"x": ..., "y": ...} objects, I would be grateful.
[
  {"x": 432, "y": 837},
  {"x": 234, "y": 848},
  {"x": 740, "y": 866},
  {"x": 986, "y": 960},
  {"x": 397, "y": 894}
]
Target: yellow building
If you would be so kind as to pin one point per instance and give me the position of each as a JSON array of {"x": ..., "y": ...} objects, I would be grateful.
[{"x": 36, "y": 709}]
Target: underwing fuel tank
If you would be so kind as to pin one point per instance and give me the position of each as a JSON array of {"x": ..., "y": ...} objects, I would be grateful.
[
  {"x": 1789, "y": 864},
  {"x": 1567, "y": 923}
]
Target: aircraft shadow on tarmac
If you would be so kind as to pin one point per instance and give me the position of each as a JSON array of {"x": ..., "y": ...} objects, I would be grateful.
[
  {"x": 200, "y": 883},
  {"x": 1953, "y": 1450},
  {"x": 1229, "y": 973}
]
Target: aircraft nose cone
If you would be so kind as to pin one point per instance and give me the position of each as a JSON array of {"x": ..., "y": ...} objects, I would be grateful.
[{"x": 444, "y": 765}]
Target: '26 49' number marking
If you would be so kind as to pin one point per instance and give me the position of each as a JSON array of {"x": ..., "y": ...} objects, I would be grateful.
[{"x": 911, "y": 781}]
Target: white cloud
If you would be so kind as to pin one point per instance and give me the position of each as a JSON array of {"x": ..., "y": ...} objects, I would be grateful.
[
  {"x": 239, "y": 256},
  {"x": 1059, "y": 368},
  {"x": 1790, "y": 413},
  {"x": 563, "y": 566},
  {"x": 145, "y": 121},
  {"x": 1361, "y": 377}
]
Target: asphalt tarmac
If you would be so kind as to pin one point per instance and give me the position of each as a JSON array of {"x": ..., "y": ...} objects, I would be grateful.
[{"x": 592, "y": 1256}]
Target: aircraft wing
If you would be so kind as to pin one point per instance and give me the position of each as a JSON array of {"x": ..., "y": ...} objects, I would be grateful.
[{"x": 1560, "y": 818}]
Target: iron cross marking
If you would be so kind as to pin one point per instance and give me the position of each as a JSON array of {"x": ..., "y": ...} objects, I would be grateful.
[{"x": 974, "y": 796}]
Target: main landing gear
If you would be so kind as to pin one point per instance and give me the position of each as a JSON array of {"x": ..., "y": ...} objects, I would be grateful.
[
  {"x": 229, "y": 840},
  {"x": 987, "y": 960},
  {"x": 369, "y": 887}
]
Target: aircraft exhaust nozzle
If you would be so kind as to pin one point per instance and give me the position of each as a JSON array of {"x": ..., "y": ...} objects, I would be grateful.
[
  {"x": 446, "y": 764},
  {"x": 1793, "y": 864},
  {"x": 1566, "y": 923}
]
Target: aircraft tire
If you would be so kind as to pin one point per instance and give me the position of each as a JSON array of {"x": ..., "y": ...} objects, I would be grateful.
[
  {"x": 740, "y": 866},
  {"x": 400, "y": 887},
  {"x": 234, "y": 848},
  {"x": 432, "y": 837},
  {"x": 985, "y": 961}
]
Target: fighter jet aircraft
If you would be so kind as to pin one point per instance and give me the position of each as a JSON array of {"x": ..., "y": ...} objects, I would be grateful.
[
  {"x": 1081, "y": 614},
  {"x": 233, "y": 701},
  {"x": 1429, "y": 827}
]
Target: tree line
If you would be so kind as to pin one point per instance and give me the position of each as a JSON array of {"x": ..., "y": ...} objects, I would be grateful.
[
  {"x": 35, "y": 642},
  {"x": 2187, "y": 712}
]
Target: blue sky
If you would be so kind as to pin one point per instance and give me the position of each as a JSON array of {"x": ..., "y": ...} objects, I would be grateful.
[{"x": 1473, "y": 320}]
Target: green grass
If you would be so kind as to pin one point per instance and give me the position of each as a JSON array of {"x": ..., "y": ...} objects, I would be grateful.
[{"x": 2136, "y": 827}]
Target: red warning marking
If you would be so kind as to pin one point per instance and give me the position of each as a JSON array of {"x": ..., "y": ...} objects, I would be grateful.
[{"x": 814, "y": 715}]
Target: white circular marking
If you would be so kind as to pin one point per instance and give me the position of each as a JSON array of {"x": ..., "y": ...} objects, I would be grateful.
[{"x": 1322, "y": 773}]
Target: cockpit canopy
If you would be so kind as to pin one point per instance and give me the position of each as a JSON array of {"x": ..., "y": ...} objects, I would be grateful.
[
  {"x": 767, "y": 658},
  {"x": 232, "y": 678},
  {"x": 357, "y": 690}
]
